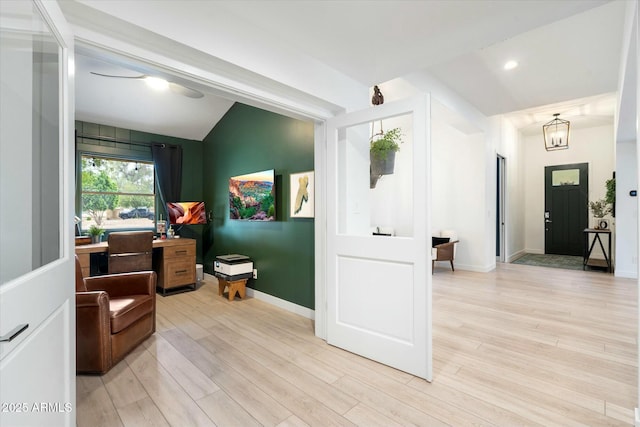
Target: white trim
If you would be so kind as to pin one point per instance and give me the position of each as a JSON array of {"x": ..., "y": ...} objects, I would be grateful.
[
  {"x": 516, "y": 255},
  {"x": 320, "y": 229},
  {"x": 270, "y": 299},
  {"x": 534, "y": 251},
  {"x": 280, "y": 303},
  {"x": 630, "y": 274},
  {"x": 637, "y": 417},
  {"x": 467, "y": 267}
]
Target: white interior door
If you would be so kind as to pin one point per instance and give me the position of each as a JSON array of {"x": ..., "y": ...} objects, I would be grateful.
[
  {"x": 379, "y": 287},
  {"x": 37, "y": 365}
]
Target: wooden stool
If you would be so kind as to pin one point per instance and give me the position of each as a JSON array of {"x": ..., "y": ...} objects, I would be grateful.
[{"x": 239, "y": 286}]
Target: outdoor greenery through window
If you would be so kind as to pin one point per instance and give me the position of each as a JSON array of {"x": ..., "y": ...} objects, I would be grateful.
[{"x": 117, "y": 193}]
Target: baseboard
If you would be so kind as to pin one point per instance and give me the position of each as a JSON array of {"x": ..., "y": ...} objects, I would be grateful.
[
  {"x": 516, "y": 255},
  {"x": 626, "y": 274},
  {"x": 476, "y": 268},
  {"x": 534, "y": 251},
  {"x": 278, "y": 302}
]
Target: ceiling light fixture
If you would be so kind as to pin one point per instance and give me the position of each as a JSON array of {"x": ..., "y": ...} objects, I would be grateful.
[
  {"x": 510, "y": 65},
  {"x": 556, "y": 134},
  {"x": 160, "y": 84},
  {"x": 156, "y": 83}
]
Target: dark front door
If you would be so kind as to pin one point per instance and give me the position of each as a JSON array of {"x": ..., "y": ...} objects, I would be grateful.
[{"x": 566, "y": 208}]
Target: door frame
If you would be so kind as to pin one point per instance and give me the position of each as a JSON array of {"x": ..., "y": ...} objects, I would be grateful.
[
  {"x": 501, "y": 195},
  {"x": 584, "y": 175}
]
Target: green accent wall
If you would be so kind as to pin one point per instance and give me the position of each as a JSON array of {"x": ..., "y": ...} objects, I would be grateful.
[
  {"x": 132, "y": 144},
  {"x": 246, "y": 140}
]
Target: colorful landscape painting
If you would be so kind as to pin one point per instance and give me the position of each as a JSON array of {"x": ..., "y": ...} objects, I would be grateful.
[{"x": 252, "y": 196}]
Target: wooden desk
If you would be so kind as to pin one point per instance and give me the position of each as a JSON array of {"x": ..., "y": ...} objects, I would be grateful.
[
  {"x": 174, "y": 260},
  {"x": 587, "y": 260}
]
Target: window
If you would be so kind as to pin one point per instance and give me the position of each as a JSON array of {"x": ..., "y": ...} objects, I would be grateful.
[
  {"x": 565, "y": 177},
  {"x": 117, "y": 193}
]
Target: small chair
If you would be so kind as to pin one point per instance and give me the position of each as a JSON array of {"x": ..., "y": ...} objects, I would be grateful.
[
  {"x": 114, "y": 314},
  {"x": 443, "y": 247},
  {"x": 130, "y": 251}
]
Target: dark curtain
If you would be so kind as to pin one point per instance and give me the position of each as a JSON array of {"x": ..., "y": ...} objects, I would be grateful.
[{"x": 167, "y": 161}]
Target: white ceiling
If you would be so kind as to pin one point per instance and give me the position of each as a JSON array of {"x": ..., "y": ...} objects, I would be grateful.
[{"x": 569, "y": 54}]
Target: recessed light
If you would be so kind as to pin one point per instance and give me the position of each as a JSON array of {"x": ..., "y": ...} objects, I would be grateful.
[{"x": 510, "y": 65}]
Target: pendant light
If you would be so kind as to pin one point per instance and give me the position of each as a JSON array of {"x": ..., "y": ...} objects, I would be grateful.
[{"x": 556, "y": 134}]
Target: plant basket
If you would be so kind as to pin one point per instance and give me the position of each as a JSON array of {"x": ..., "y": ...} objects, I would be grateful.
[{"x": 383, "y": 166}]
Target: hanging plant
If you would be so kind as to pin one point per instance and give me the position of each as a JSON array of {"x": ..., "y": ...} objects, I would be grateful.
[{"x": 387, "y": 143}]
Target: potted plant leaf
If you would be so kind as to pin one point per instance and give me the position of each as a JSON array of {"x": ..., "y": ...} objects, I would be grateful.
[
  {"x": 382, "y": 153},
  {"x": 600, "y": 209},
  {"x": 96, "y": 233},
  {"x": 611, "y": 194}
]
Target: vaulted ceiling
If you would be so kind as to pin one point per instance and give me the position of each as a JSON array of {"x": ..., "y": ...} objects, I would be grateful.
[{"x": 568, "y": 54}]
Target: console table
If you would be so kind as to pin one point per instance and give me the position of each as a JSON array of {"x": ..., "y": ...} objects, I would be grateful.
[
  {"x": 174, "y": 261},
  {"x": 588, "y": 249}
]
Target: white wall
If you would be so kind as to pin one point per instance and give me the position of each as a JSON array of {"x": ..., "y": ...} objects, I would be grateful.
[
  {"x": 459, "y": 196},
  {"x": 594, "y": 146},
  {"x": 626, "y": 238},
  {"x": 626, "y": 150}
]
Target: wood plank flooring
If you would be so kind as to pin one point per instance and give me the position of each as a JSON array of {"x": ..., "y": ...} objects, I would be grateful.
[{"x": 525, "y": 346}]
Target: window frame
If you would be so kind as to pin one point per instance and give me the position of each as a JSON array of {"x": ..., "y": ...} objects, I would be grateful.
[{"x": 136, "y": 157}]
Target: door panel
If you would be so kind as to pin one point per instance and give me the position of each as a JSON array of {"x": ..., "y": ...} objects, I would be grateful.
[
  {"x": 566, "y": 208},
  {"x": 379, "y": 286},
  {"x": 37, "y": 368}
]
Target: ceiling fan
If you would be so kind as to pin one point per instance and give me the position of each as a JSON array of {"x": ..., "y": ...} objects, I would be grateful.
[{"x": 159, "y": 83}]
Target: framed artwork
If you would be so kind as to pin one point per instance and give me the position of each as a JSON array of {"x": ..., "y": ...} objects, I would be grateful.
[
  {"x": 252, "y": 196},
  {"x": 302, "y": 198}
]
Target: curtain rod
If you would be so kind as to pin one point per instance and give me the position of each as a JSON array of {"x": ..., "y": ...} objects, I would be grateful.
[{"x": 112, "y": 139}]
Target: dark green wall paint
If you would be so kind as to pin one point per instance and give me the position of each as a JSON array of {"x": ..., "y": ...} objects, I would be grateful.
[
  {"x": 192, "y": 164},
  {"x": 247, "y": 140}
]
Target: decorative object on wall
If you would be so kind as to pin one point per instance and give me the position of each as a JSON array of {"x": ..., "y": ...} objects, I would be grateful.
[
  {"x": 556, "y": 134},
  {"x": 302, "y": 194},
  {"x": 378, "y": 97},
  {"x": 252, "y": 196},
  {"x": 186, "y": 213}
]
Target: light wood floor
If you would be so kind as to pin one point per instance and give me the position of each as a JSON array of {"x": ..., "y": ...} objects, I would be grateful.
[{"x": 519, "y": 346}]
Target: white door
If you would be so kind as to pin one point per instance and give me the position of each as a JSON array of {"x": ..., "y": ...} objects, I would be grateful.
[
  {"x": 378, "y": 286},
  {"x": 37, "y": 292}
]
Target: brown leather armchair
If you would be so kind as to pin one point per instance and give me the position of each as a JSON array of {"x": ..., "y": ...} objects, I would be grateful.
[
  {"x": 443, "y": 247},
  {"x": 114, "y": 314}
]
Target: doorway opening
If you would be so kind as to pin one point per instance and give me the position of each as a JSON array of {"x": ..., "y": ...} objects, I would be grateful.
[{"x": 500, "y": 207}]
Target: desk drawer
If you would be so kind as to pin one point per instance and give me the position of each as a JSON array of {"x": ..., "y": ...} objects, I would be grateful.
[
  {"x": 170, "y": 252},
  {"x": 179, "y": 271}
]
